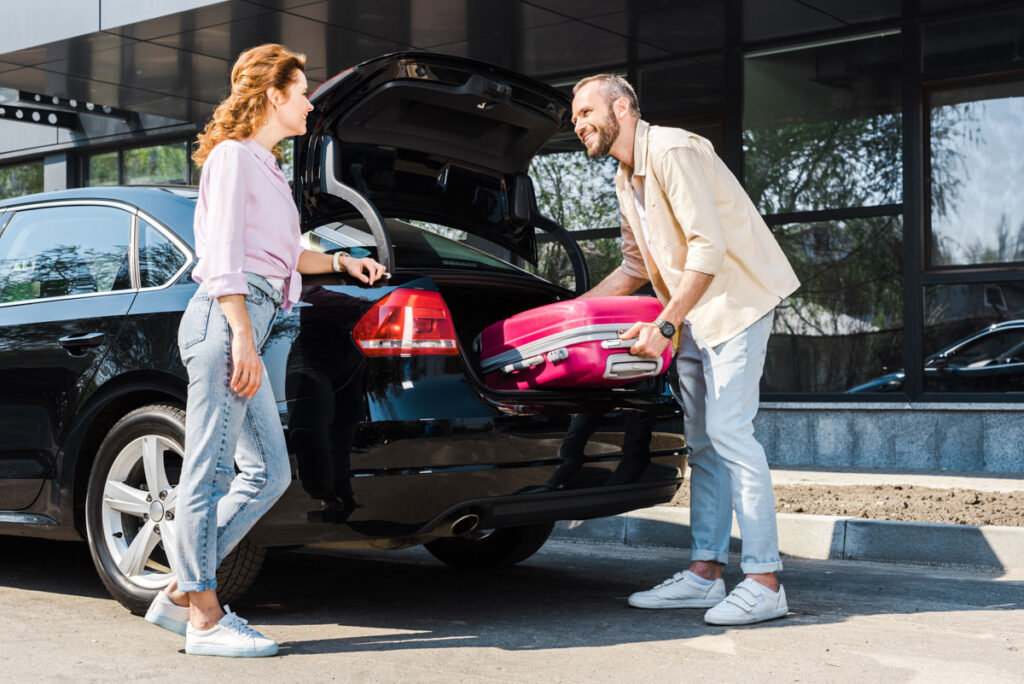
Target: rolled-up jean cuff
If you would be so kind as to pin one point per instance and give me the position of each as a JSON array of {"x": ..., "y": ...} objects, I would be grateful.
[
  {"x": 757, "y": 568},
  {"x": 199, "y": 585},
  {"x": 705, "y": 555}
]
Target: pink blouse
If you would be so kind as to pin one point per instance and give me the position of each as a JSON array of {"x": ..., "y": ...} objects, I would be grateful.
[{"x": 246, "y": 221}]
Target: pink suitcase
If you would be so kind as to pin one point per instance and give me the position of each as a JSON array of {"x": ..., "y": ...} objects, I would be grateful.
[{"x": 574, "y": 343}]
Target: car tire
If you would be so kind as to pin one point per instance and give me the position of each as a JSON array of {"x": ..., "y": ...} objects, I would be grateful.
[
  {"x": 131, "y": 495},
  {"x": 496, "y": 549}
]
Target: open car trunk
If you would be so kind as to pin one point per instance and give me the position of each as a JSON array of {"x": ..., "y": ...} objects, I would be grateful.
[
  {"x": 478, "y": 302},
  {"x": 435, "y": 138}
]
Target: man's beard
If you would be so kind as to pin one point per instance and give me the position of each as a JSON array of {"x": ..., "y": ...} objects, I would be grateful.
[{"x": 606, "y": 137}]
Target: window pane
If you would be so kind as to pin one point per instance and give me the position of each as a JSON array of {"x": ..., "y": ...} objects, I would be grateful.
[
  {"x": 974, "y": 337},
  {"x": 62, "y": 251},
  {"x": 675, "y": 91},
  {"x": 977, "y": 209},
  {"x": 578, "y": 193},
  {"x": 822, "y": 127},
  {"x": 159, "y": 259},
  {"x": 992, "y": 38},
  {"x": 21, "y": 179},
  {"x": 102, "y": 169},
  {"x": 157, "y": 164},
  {"x": 844, "y": 326}
]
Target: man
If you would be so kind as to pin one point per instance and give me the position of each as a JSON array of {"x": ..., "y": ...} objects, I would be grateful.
[{"x": 689, "y": 228}]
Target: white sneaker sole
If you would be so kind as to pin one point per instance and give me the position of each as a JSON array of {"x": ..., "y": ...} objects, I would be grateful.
[
  {"x": 659, "y": 604},
  {"x": 166, "y": 621},
  {"x": 748, "y": 619},
  {"x": 229, "y": 651}
]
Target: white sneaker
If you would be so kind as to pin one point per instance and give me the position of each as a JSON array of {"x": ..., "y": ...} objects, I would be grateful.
[
  {"x": 231, "y": 637},
  {"x": 748, "y": 603},
  {"x": 163, "y": 612},
  {"x": 680, "y": 591}
]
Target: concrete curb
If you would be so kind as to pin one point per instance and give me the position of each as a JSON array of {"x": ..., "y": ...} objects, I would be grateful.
[{"x": 823, "y": 537}]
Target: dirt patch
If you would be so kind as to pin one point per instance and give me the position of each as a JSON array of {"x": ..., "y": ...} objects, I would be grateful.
[{"x": 896, "y": 502}]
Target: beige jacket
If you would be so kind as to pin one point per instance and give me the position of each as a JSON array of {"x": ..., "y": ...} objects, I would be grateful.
[{"x": 699, "y": 218}]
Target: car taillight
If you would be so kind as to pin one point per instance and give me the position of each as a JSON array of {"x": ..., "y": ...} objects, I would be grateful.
[{"x": 407, "y": 322}]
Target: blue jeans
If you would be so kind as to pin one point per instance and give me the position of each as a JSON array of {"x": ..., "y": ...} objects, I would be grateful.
[
  {"x": 728, "y": 467},
  {"x": 216, "y": 506}
]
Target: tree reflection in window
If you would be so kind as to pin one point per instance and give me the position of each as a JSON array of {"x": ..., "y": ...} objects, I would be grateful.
[
  {"x": 159, "y": 259},
  {"x": 62, "y": 251}
]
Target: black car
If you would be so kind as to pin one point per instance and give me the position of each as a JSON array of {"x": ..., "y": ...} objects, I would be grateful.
[
  {"x": 395, "y": 438},
  {"x": 989, "y": 360}
]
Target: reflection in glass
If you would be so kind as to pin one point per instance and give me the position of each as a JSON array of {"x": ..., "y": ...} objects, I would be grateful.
[
  {"x": 845, "y": 323},
  {"x": 159, "y": 260},
  {"x": 21, "y": 179},
  {"x": 156, "y": 164},
  {"x": 638, "y": 429},
  {"x": 977, "y": 209},
  {"x": 60, "y": 251},
  {"x": 102, "y": 169},
  {"x": 822, "y": 127},
  {"x": 974, "y": 337},
  {"x": 325, "y": 383}
]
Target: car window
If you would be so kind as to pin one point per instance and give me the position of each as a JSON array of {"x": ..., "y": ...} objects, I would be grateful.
[
  {"x": 159, "y": 259},
  {"x": 415, "y": 247},
  {"x": 987, "y": 349},
  {"x": 1015, "y": 355},
  {"x": 67, "y": 250}
]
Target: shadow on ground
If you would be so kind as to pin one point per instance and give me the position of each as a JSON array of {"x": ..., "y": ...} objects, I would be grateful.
[{"x": 569, "y": 595}]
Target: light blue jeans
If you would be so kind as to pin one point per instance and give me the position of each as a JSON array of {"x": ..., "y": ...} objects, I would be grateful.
[
  {"x": 216, "y": 506},
  {"x": 728, "y": 469}
]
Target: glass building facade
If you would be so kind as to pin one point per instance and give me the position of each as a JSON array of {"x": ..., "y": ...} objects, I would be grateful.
[{"x": 879, "y": 138}]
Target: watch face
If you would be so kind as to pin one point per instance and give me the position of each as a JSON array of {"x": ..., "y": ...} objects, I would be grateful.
[{"x": 667, "y": 329}]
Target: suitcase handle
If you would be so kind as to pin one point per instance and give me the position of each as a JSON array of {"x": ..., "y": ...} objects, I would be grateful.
[
  {"x": 618, "y": 344},
  {"x": 627, "y": 366},
  {"x": 552, "y": 356}
]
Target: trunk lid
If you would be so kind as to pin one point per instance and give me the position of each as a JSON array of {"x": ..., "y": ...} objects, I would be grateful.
[{"x": 430, "y": 137}]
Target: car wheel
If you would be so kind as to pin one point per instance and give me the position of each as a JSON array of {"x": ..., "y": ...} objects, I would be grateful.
[
  {"x": 493, "y": 549},
  {"x": 130, "y": 506}
]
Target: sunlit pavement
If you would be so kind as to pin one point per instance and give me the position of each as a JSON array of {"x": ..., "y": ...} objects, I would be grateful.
[{"x": 560, "y": 616}]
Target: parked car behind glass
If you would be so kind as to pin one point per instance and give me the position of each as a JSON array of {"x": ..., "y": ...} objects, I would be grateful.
[{"x": 990, "y": 360}]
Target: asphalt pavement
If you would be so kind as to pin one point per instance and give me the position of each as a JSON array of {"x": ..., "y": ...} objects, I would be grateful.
[{"x": 561, "y": 616}]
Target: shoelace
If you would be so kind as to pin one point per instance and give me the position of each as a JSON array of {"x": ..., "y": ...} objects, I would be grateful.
[{"x": 239, "y": 624}]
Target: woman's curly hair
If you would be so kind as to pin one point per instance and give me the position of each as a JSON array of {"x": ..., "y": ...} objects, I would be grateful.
[{"x": 243, "y": 111}]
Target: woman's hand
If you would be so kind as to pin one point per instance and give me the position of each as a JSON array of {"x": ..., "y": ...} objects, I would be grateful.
[
  {"x": 246, "y": 365},
  {"x": 366, "y": 269}
]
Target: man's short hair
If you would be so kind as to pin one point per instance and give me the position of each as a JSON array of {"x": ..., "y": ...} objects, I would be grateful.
[{"x": 613, "y": 87}]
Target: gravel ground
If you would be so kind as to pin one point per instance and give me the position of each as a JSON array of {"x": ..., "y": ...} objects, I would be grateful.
[{"x": 896, "y": 502}]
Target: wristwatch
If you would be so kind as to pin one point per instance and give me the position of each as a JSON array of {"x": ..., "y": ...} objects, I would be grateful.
[{"x": 666, "y": 328}]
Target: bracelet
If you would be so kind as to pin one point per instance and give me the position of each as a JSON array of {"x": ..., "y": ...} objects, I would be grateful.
[{"x": 336, "y": 264}]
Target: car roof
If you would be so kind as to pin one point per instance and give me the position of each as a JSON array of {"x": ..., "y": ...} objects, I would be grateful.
[{"x": 171, "y": 205}]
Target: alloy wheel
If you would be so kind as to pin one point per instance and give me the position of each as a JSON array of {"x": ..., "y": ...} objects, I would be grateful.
[{"x": 138, "y": 507}]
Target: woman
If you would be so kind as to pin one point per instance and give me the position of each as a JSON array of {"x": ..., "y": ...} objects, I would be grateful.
[{"x": 247, "y": 240}]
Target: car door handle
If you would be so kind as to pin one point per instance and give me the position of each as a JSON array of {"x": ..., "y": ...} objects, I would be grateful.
[{"x": 78, "y": 343}]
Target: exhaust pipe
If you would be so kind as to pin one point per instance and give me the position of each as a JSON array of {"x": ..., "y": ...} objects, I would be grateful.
[{"x": 462, "y": 524}]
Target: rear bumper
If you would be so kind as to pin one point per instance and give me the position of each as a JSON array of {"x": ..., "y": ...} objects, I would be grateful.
[
  {"x": 408, "y": 509},
  {"x": 529, "y": 509}
]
